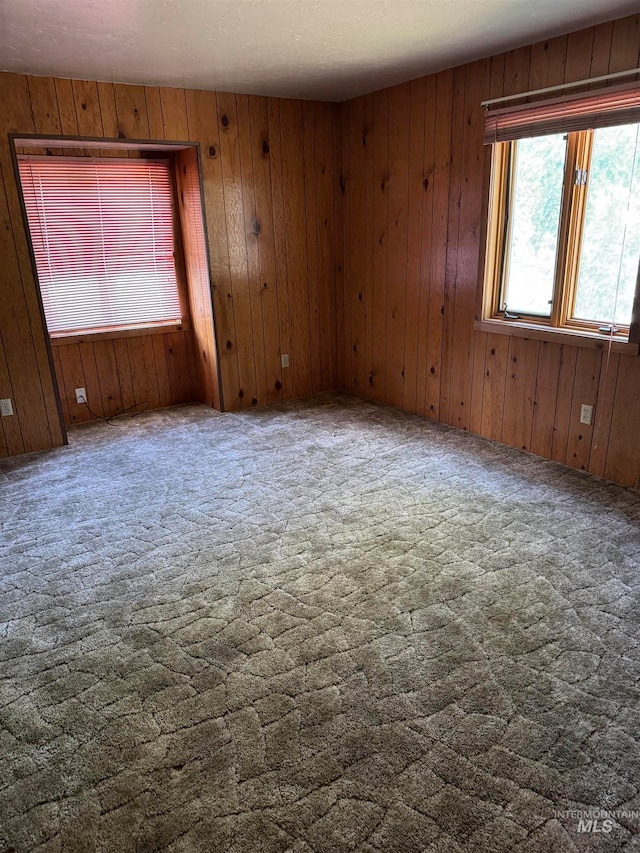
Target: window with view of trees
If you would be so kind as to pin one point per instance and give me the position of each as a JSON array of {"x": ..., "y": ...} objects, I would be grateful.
[{"x": 563, "y": 241}]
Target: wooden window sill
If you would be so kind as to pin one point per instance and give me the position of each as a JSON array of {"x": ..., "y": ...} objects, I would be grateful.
[
  {"x": 538, "y": 332},
  {"x": 114, "y": 334}
]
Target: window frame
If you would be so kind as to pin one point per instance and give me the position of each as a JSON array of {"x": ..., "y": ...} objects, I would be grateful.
[
  {"x": 503, "y": 129},
  {"x": 32, "y": 147}
]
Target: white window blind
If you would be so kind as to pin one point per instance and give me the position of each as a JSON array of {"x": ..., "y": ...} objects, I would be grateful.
[{"x": 102, "y": 235}]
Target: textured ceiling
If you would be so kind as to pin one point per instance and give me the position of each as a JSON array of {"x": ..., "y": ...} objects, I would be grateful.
[{"x": 326, "y": 49}]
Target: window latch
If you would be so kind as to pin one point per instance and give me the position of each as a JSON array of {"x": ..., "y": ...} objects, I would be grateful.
[
  {"x": 580, "y": 178},
  {"x": 608, "y": 330},
  {"x": 507, "y": 315}
]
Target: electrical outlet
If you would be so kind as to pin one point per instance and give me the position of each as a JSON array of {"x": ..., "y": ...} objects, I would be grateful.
[
  {"x": 81, "y": 395},
  {"x": 6, "y": 408},
  {"x": 586, "y": 414},
  {"x": 285, "y": 359}
]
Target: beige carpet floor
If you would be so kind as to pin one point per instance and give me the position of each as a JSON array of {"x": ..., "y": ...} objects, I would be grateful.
[{"x": 327, "y": 626}]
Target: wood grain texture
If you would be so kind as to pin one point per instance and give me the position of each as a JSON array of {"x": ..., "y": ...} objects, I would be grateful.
[
  {"x": 435, "y": 253},
  {"x": 236, "y": 228},
  {"x": 425, "y": 354},
  {"x": 377, "y": 314},
  {"x": 399, "y": 110},
  {"x": 357, "y": 234},
  {"x": 415, "y": 228},
  {"x": 139, "y": 371},
  {"x": 270, "y": 175},
  {"x": 341, "y": 255},
  {"x": 295, "y": 244},
  {"x": 258, "y": 149}
]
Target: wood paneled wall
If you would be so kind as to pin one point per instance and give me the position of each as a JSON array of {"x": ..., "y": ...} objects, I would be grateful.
[
  {"x": 268, "y": 169},
  {"x": 143, "y": 371},
  {"x": 412, "y": 163}
]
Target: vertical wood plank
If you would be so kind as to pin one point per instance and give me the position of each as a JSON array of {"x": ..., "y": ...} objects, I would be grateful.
[
  {"x": 495, "y": 90},
  {"x": 517, "y": 66},
  {"x": 161, "y": 370},
  {"x": 74, "y": 377},
  {"x": 61, "y": 386},
  {"x": 346, "y": 207},
  {"x": 399, "y": 107},
  {"x": 105, "y": 356},
  {"x": 131, "y": 111},
  {"x": 174, "y": 115},
  {"x": 154, "y": 112},
  {"x": 477, "y": 381},
  {"x": 601, "y": 51},
  {"x": 625, "y": 44},
  {"x": 340, "y": 260},
  {"x": 546, "y": 395},
  {"x": 380, "y": 245},
  {"x": 311, "y": 214},
  {"x": 291, "y": 142},
  {"x": 369, "y": 236},
  {"x": 604, "y": 413},
  {"x": 143, "y": 371},
  {"x": 108, "y": 112},
  {"x": 357, "y": 235},
  {"x": 428, "y": 213},
  {"x": 325, "y": 224},
  {"x": 585, "y": 390},
  {"x": 451, "y": 264},
  {"x": 439, "y": 240},
  {"x": 466, "y": 274},
  {"x": 253, "y": 228},
  {"x": 268, "y": 281},
  {"x": 178, "y": 370},
  {"x": 44, "y": 105},
  {"x": 493, "y": 397},
  {"x": 548, "y": 62},
  {"x": 522, "y": 367},
  {"x": 237, "y": 246},
  {"x": 282, "y": 267},
  {"x": 87, "y": 108},
  {"x": 415, "y": 230},
  {"x": 91, "y": 379},
  {"x": 564, "y": 402},
  {"x": 623, "y": 456},
  {"x": 578, "y": 59},
  {"x": 123, "y": 366},
  {"x": 67, "y": 107}
]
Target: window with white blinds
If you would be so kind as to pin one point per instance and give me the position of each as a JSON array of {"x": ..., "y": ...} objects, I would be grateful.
[{"x": 103, "y": 239}]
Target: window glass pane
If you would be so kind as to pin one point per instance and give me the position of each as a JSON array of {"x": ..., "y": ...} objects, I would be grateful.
[
  {"x": 533, "y": 230},
  {"x": 611, "y": 238}
]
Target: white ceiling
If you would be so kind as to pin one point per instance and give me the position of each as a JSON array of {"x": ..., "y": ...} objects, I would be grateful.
[{"x": 325, "y": 49}]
